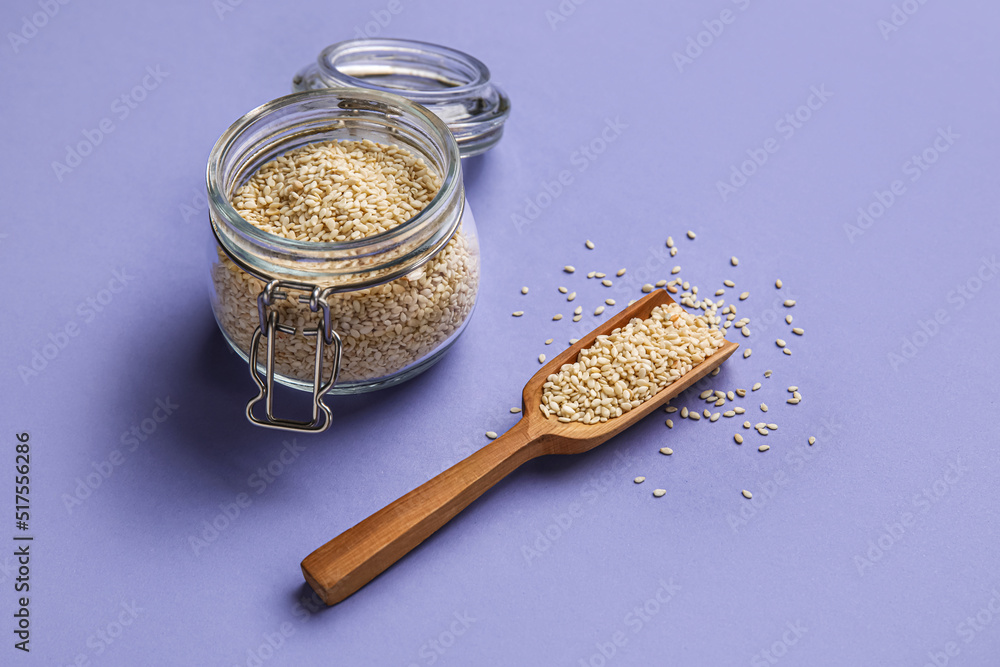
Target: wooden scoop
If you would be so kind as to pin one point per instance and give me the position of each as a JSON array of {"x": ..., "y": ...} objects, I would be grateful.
[{"x": 352, "y": 559}]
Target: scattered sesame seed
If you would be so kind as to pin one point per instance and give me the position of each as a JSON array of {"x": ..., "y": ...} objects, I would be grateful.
[
  {"x": 673, "y": 252},
  {"x": 691, "y": 235},
  {"x": 746, "y": 424},
  {"x": 621, "y": 272},
  {"x": 517, "y": 313},
  {"x": 720, "y": 292},
  {"x": 675, "y": 270},
  {"x": 569, "y": 268},
  {"x": 812, "y": 440},
  {"x": 763, "y": 448},
  {"x": 660, "y": 283},
  {"x": 756, "y": 386},
  {"x": 578, "y": 310},
  {"x": 541, "y": 358},
  {"x": 557, "y": 317},
  {"x": 789, "y": 303},
  {"x": 670, "y": 423},
  {"x": 729, "y": 413},
  {"x": 574, "y": 341},
  {"x": 684, "y": 413},
  {"x": 743, "y": 297},
  {"x": 670, "y": 409},
  {"x": 524, "y": 290},
  {"x": 591, "y": 274},
  {"x": 772, "y": 427},
  {"x": 647, "y": 288},
  {"x": 793, "y": 389},
  {"x": 514, "y": 411},
  {"x": 778, "y": 283},
  {"x": 600, "y": 275},
  {"x": 763, "y": 407},
  {"x": 607, "y": 283},
  {"x": 745, "y": 331},
  {"x": 672, "y": 289},
  {"x": 747, "y": 352},
  {"x": 793, "y": 401},
  {"x": 780, "y": 342},
  {"x": 562, "y": 290},
  {"x": 741, "y": 392},
  {"x": 707, "y": 414},
  {"x": 747, "y": 494},
  {"x": 577, "y": 318},
  {"x": 767, "y": 373},
  {"x": 610, "y": 302},
  {"x": 572, "y": 296},
  {"x": 589, "y": 244},
  {"x": 720, "y": 402},
  {"x": 715, "y": 417},
  {"x": 787, "y": 351},
  {"x": 729, "y": 283},
  {"x": 659, "y": 493},
  {"x": 548, "y": 341},
  {"x": 798, "y": 331},
  {"x": 738, "y": 438},
  {"x": 639, "y": 480},
  {"x": 670, "y": 241},
  {"x": 788, "y": 319},
  {"x": 734, "y": 261},
  {"x": 598, "y": 310},
  {"x": 666, "y": 451},
  {"x": 739, "y": 410},
  {"x": 694, "y": 416},
  {"x": 491, "y": 435}
]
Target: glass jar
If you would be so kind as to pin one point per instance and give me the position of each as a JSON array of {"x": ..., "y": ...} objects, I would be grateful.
[{"x": 339, "y": 317}]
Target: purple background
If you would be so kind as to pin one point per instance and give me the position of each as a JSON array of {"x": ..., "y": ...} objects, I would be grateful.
[{"x": 791, "y": 559}]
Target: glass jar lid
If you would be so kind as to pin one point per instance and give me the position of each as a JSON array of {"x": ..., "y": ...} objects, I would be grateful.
[{"x": 455, "y": 86}]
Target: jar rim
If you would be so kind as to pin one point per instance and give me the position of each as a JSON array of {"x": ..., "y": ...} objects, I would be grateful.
[{"x": 392, "y": 104}]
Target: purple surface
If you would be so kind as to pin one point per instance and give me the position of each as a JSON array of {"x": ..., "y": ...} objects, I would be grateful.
[{"x": 788, "y": 573}]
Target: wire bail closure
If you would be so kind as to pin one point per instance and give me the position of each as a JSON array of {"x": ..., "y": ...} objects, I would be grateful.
[{"x": 269, "y": 326}]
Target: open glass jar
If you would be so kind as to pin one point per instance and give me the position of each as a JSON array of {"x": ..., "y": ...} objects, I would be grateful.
[{"x": 339, "y": 317}]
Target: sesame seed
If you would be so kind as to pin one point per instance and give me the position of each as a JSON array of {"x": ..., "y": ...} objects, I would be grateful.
[
  {"x": 524, "y": 290},
  {"x": 517, "y": 313},
  {"x": 577, "y": 318},
  {"x": 707, "y": 414},
  {"x": 670, "y": 241},
  {"x": 739, "y": 410},
  {"x": 660, "y": 283},
  {"x": 491, "y": 435},
  {"x": 787, "y": 351},
  {"x": 589, "y": 244},
  {"x": 675, "y": 270},
  {"x": 562, "y": 290},
  {"x": 600, "y": 275},
  {"x": 673, "y": 252},
  {"x": 720, "y": 292},
  {"x": 729, "y": 413},
  {"x": 793, "y": 401},
  {"x": 666, "y": 451},
  {"x": 621, "y": 272},
  {"x": 789, "y": 303},
  {"x": 756, "y": 386},
  {"x": 747, "y": 494},
  {"x": 670, "y": 409},
  {"x": 720, "y": 402},
  {"x": 745, "y": 331},
  {"x": 694, "y": 416},
  {"x": 670, "y": 423},
  {"x": 798, "y": 331},
  {"x": 734, "y": 261},
  {"x": 729, "y": 283},
  {"x": 647, "y": 288},
  {"x": 659, "y": 493},
  {"x": 788, "y": 319},
  {"x": 573, "y": 341},
  {"x": 743, "y": 297},
  {"x": 780, "y": 342},
  {"x": 607, "y": 283},
  {"x": 763, "y": 407},
  {"x": 639, "y": 480},
  {"x": 772, "y": 427},
  {"x": 569, "y": 268},
  {"x": 610, "y": 302},
  {"x": 514, "y": 411},
  {"x": 672, "y": 289},
  {"x": 571, "y": 297},
  {"x": 793, "y": 389},
  {"x": 738, "y": 438},
  {"x": 778, "y": 283},
  {"x": 705, "y": 394},
  {"x": 548, "y": 341},
  {"x": 767, "y": 374},
  {"x": 690, "y": 235},
  {"x": 541, "y": 358},
  {"x": 598, "y": 310},
  {"x": 715, "y": 417},
  {"x": 741, "y": 392},
  {"x": 746, "y": 424},
  {"x": 747, "y": 352},
  {"x": 812, "y": 440},
  {"x": 557, "y": 317},
  {"x": 684, "y": 413},
  {"x": 591, "y": 274},
  {"x": 763, "y": 448},
  {"x": 578, "y": 310}
]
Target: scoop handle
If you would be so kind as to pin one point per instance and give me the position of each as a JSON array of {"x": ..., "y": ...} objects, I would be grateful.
[{"x": 349, "y": 561}]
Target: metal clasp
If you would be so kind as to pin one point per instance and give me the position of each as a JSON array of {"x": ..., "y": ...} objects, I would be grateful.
[{"x": 269, "y": 327}]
